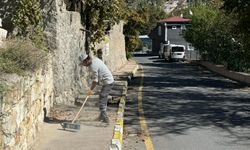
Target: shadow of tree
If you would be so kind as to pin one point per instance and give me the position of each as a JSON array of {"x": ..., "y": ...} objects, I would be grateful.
[{"x": 178, "y": 97}]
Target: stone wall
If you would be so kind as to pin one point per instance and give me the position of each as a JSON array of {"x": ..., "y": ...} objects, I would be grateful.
[
  {"x": 64, "y": 33},
  {"x": 113, "y": 48},
  {"x": 25, "y": 106},
  {"x": 117, "y": 48},
  {"x": 66, "y": 40}
]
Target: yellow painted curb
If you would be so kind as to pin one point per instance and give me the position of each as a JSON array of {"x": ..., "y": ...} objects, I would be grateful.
[{"x": 116, "y": 143}]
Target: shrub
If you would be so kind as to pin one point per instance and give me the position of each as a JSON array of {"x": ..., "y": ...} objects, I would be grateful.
[
  {"x": 129, "y": 54},
  {"x": 20, "y": 55}
]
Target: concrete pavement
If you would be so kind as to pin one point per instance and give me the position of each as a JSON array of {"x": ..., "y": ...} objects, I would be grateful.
[{"x": 93, "y": 135}]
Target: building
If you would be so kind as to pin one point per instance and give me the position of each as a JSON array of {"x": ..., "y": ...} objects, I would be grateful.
[{"x": 169, "y": 30}]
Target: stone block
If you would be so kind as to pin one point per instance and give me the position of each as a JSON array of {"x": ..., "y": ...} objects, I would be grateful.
[
  {"x": 119, "y": 93},
  {"x": 3, "y": 34},
  {"x": 120, "y": 84}
]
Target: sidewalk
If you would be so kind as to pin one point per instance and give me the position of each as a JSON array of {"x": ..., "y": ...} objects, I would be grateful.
[{"x": 93, "y": 135}]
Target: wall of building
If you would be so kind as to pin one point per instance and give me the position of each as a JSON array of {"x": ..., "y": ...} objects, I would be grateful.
[{"x": 174, "y": 36}]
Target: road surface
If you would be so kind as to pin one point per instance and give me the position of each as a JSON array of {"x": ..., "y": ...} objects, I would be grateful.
[{"x": 186, "y": 107}]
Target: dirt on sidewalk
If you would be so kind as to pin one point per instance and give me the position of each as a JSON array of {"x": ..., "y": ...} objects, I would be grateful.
[{"x": 93, "y": 135}]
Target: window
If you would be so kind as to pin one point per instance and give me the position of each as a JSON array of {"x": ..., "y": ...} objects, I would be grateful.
[
  {"x": 178, "y": 49},
  {"x": 190, "y": 47},
  {"x": 174, "y": 27}
]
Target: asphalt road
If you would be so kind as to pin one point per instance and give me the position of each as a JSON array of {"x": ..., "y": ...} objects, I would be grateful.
[{"x": 187, "y": 107}]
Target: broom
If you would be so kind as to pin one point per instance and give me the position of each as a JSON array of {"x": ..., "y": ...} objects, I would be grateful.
[{"x": 73, "y": 125}]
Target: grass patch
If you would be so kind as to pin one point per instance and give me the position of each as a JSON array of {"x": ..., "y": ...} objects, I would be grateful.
[{"x": 20, "y": 55}]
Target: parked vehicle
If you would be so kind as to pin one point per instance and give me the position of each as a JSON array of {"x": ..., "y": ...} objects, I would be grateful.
[{"x": 174, "y": 52}]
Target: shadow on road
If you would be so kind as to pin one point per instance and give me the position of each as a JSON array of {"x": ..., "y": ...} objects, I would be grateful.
[{"x": 178, "y": 97}]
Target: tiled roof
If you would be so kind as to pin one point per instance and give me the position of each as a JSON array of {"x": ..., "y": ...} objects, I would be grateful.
[{"x": 175, "y": 19}]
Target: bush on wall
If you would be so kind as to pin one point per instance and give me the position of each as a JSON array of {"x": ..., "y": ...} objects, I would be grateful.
[{"x": 20, "y": 55}]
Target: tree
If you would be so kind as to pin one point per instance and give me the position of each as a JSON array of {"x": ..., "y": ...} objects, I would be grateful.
[
  {"x": 211, "y": 33},
  {"x": 101, "y": 16},
  {"x": 151, "y": 15},
  {"x": 27, "y": 21},
  {"x": 131, "y": 30},
  {"x": 142, "y": 16},
  {"x": 241, "y": 9}
]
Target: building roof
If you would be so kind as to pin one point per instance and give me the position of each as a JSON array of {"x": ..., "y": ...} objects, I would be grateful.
[{"x": 174, "y": 19}]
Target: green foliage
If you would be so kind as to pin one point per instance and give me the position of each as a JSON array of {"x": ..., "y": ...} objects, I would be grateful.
[
  {"x": 129, "y": 54},
  {"x": 212, "y": 33},
  {"x": 151, "y": 15},
  {"x": 131, "y": 30},
  {"x": 241, "y": 11},
  {"x": 27, "y": 21},
  {"x": 100, "y": 15},
  {"x": 142, "y": 16},
  {"x": 28, "y": 14},
  {"x": 20, "y": 55}
]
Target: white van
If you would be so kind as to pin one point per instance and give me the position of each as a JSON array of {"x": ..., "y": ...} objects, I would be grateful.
[{"x": 174, "y": 52}]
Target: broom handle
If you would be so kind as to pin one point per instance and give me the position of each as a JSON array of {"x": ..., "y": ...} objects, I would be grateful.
[{"x": 80, "y": 109}]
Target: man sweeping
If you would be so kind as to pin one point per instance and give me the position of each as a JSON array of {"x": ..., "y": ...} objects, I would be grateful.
[{"x": 100, "y": 75}]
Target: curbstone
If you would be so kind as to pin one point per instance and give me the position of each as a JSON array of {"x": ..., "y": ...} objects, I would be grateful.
[
  {"x": 237, "y": 76},
  {"x": 116, "y": 142}
]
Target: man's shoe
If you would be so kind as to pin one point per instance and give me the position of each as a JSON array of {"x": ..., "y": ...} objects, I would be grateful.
[{"x": 104, "y": 117}]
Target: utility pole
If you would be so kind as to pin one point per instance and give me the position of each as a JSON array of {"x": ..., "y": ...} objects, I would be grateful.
[{"x": 166, "y": 32}]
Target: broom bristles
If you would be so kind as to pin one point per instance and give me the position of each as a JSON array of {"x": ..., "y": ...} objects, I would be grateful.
[{"x": 67, "y": 125}]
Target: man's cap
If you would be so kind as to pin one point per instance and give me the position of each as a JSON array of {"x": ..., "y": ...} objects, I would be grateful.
[{"x": 83, "y": 56}]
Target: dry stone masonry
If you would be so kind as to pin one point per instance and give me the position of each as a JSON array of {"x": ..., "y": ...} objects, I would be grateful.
[{"x": 25, "y": 106}]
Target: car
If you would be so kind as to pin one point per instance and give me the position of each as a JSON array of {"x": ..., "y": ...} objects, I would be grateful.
[{"x": 174, "y": 52}]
